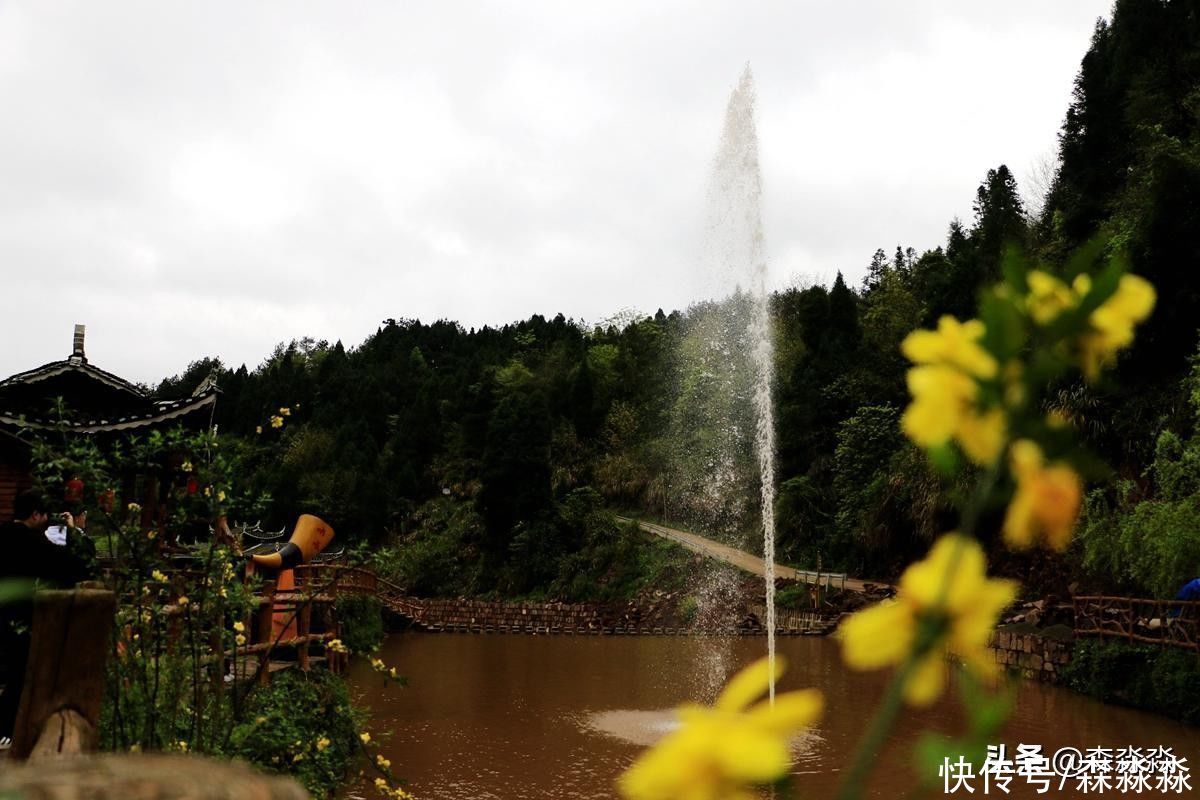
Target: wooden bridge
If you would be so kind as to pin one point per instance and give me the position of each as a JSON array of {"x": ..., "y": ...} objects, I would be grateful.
[{"x": 1168, "y": 623}]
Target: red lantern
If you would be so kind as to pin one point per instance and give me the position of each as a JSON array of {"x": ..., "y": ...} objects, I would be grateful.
[
  {"x": 193, "y": 485},
  {"x": 107, "y": 500},
  {"x": 74, "y": 491}
]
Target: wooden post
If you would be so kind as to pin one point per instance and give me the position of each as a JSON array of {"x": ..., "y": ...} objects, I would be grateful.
[
  {"x": 263, "y": 632},
  {"x": 120, "y": 777},
  {"x": 303, "y": 618},
  {"x": 64, "y": 678}
]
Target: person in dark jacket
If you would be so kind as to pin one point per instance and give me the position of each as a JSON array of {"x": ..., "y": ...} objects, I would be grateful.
[{"x": 26, "y": 553}]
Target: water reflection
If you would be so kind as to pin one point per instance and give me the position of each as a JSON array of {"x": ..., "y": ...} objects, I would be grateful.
[{"x": 561, "y": 716}]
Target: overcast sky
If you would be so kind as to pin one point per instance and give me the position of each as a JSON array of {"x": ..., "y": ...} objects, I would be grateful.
[{"x": 211, "y": 178}]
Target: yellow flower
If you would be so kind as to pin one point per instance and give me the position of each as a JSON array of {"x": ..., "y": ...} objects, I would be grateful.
[
  {"x": 276, "y": 421},
  {"x": 186, "y": 466},
  {"x": 982, "y": 436},
  {"x": 381, "y": 784},
  {"x": 183, "y": 601},
  {"x": 1046, "y": 502},
  {"x": 950, "y": 588},
  {"x": 159, "y": 576},
  {"x": 336, "y": 646},
  {"x": 285, "y": 411},
  {"x": 1048, "y": 297},
  {"x": 150, "y": 534},
  {"x": 955, "y": 344},
  {"x": 1112, "y": 323},
  {"x": 945, "y": 390},
  {"x": 322, "y": 743},
  {"x": 134, "y": 508},
  {"x": 393, "y": 674},
  {"x": 240, "y": 639},
  {"x": 183, "y": 746},
  {"x": 221, "y": 496},
  {"x": 382, "y": 762},
  {"x": 721, "y": 751},
  {"x": 365, "y": 736},
  {"x": 258, "y": 428},
  {"x": 239, "y": 626}
]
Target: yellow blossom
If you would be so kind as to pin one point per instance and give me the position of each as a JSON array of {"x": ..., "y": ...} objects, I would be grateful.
[
  {"x": 134, "y": 508},
  {"x": 1048, "y": 297},
  {"x": 285, "y": 411},
  {"x": 1046, "y": 502},
  {"x": 322, "y": 743},
  {"x": 954, "y": 344},
  {"x": 276, "y": 421},
  {"x": 240, "y": 639},
  {"x": 381, "y": 784},
  {"x": 393, "y": 674},
  {"x": 382, "y": 762},
  {"x": 258, "y": 428},
  {"x": 221, "y": 496},
  {"x": 724, "y": 750},
  {"x": 239, "y": 626},
  {"x": 1112, "y": 323},
  {"x": 150, "y": 534},
  {"x": 950, "y": 588},
  {"x": 336, "y": 646},
  {"x": 183, "y": 746},
  {"x": 945, "y": 390},
  {"x": 365, "y": 736},
  {"x": 159, "y": 576},
  {"x": 982, "y": 436},
  {"x": 186, "y": 466},
  {"x": 183, "y": 601}
]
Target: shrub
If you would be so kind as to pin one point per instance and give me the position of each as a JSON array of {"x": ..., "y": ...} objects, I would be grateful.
[
  {"x": 1163, "y": 680},
  {"x": 361, "y": 618},
  {"x": 302, "y": 725}
]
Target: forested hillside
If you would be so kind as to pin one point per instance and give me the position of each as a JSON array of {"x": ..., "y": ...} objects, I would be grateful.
[{"x": 488, "y": 453}]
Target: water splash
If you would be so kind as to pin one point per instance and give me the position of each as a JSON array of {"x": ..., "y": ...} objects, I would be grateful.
[{"x": 736, "y": 246}]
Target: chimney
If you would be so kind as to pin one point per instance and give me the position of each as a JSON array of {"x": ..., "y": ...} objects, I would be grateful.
[{"x": 77, "y": 353}]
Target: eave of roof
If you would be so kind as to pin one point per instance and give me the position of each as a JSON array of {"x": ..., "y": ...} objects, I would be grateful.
[
  {"x": 163, "y": 413},
  {"x": 72, "y": 364}
]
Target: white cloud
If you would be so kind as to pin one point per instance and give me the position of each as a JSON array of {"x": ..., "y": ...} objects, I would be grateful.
[{"x": 194, "y": 179}]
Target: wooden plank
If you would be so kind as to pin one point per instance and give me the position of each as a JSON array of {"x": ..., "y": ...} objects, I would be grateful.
[{"x": 71, "y": 632}]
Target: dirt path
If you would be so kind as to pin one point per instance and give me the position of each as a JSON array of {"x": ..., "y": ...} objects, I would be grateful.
[{"x": 748, "y": 561}]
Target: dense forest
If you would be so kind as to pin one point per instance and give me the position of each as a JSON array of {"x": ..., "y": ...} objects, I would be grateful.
[{"x": 490, "y": 455}]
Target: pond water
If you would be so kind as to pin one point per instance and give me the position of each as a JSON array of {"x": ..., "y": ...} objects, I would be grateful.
[{"x": 503, "y": 716}]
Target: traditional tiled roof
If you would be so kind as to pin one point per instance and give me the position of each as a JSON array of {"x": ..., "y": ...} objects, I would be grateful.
[
  {"x": 163, "y": 412},
  {"x": 128, "y": 408},
  {"x": 72, "y": 364}
]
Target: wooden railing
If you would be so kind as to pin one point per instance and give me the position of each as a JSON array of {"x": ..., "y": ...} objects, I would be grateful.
[
  {"x": 1170, "y": 623},
  {"x": 335, "y": 580}
]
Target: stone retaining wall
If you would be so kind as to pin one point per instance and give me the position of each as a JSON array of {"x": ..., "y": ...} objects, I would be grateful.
[
  {"x": 482, "y": 616},
  {"x": 1036, "y": 657}
]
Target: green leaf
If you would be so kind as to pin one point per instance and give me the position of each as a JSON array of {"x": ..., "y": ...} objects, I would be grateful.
[
  {"x": 1005, "y": 335},
  {"x": 1015, "y": 270},
  {"x": 945, "y": 459}
]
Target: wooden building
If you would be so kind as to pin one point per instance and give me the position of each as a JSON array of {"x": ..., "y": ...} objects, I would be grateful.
[{"x": 100, "y": 403}]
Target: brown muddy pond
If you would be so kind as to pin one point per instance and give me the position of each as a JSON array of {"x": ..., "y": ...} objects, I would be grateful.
[{"x": 509, "y": 717}]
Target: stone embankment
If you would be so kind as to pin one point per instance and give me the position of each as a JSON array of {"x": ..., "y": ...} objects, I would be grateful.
[
  {"x": 1036, "y": 657},
  {"x": 482, "y": 616}
]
